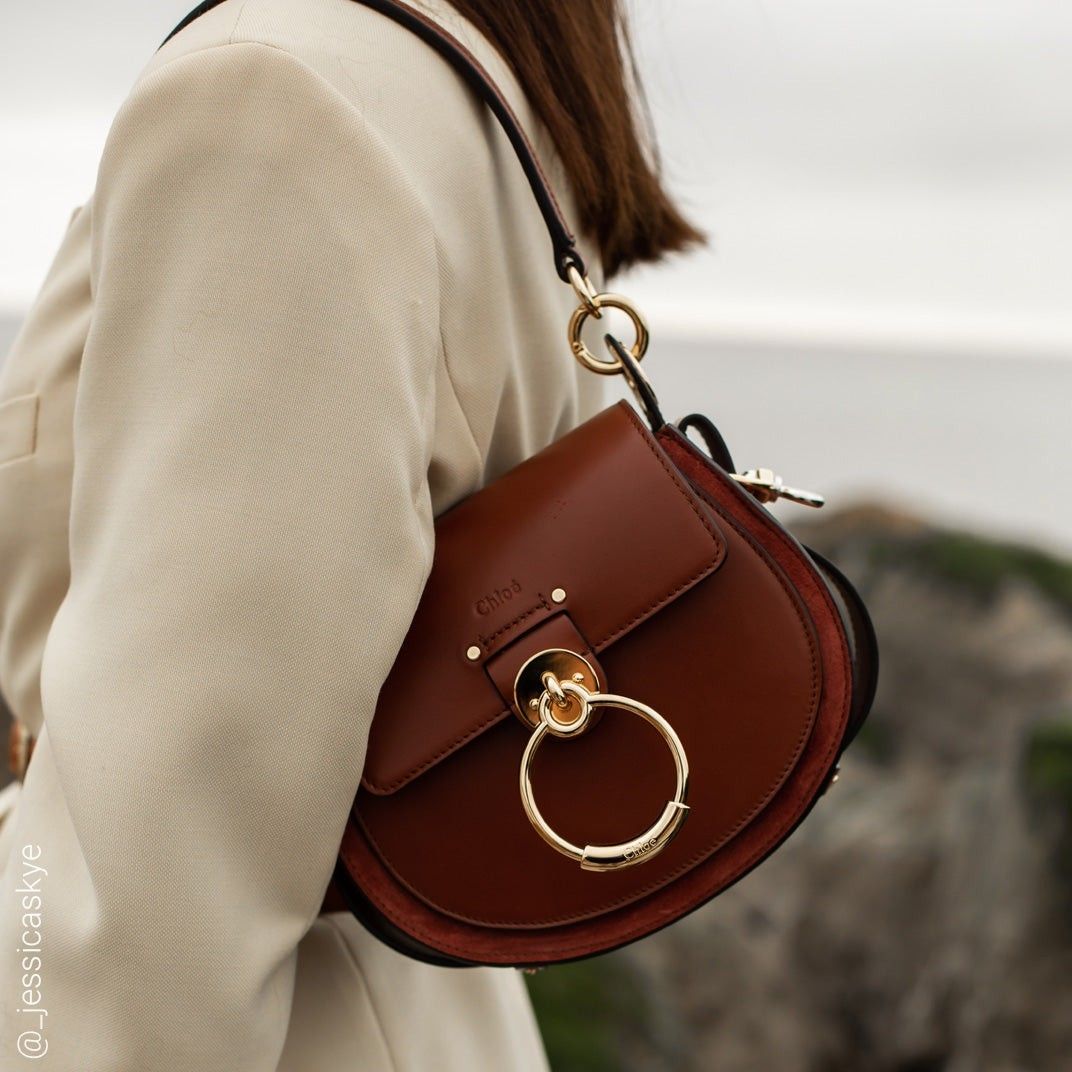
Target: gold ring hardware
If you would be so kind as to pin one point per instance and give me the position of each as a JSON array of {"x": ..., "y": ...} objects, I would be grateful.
[
  {"x": 558, "y": 671},
  {"x": 553, "y": 688},
  {"x": 606, "y": 366},
  {"x": 582, "y": 287},
  {"x": 562, "y": 666}
]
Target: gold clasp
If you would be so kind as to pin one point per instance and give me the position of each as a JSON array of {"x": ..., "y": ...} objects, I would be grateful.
[
  {"x": 768, "y": 487},
  {"x": 593, "y": 304},
  {"x": 565, "y": 706},
  {"x": 585, "y": 291}
]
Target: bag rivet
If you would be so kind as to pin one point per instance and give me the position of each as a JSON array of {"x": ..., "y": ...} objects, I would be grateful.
[
  {"x": 472, "y": 653},
  {"x": 558, "y": 595}
]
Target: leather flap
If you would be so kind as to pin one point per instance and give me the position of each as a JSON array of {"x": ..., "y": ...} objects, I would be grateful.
[{"x": 600, "y": 514}]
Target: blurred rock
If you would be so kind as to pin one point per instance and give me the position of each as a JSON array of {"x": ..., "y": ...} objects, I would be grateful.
[{"x": 921, "y": 919}]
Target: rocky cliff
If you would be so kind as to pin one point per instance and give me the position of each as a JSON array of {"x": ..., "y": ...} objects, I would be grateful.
[{"x": 921, "y": 919}]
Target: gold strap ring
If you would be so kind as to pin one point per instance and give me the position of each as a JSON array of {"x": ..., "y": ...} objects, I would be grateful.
[
  {"x": 553, "y": 687},
  {"x": 606, "y": 366},
  {"x": 626, "y": 853}
]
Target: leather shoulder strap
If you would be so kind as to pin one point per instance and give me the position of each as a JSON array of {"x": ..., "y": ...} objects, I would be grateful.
[{"x": 448, "y": 46}]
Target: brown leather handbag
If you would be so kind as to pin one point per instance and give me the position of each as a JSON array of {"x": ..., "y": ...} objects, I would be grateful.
[{"x": 625, "y": 684}]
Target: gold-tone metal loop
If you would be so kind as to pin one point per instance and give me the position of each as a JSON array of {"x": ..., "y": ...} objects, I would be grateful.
[
  {"x": 602, "y": 365},
  {"x": 564, "y": 666},
  {"x": 553, "y": 686},
  {"x": 585, "y": 291},
  {"x": 577, "y": 708},
  {"x": 626, "y": 853}
]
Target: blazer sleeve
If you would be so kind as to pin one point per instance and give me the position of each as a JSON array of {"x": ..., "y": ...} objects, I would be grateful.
[{"x": 250, "y": 532}]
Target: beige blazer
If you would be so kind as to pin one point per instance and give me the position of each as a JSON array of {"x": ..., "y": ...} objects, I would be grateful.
[{"x": 309, "y": 305}]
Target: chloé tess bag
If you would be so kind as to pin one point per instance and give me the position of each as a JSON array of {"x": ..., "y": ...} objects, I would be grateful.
[{"x": 624, "y": 686}]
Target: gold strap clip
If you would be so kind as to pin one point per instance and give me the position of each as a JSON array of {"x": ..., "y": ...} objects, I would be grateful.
[{"x": 768, "y": 487}]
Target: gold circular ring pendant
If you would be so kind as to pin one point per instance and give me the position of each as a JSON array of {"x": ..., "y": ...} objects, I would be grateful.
[{"x": 565, "y": 708}]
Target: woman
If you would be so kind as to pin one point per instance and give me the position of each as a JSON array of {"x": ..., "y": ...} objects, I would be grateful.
[{"x": 309, "y": 306}]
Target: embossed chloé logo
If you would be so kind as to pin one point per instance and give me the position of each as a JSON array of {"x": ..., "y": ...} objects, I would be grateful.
[
  {"x": 498, "y": 598},
  {"x": 639, "y": 850}
]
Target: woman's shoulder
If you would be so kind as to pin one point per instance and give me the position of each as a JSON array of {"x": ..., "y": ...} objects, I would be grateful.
[
  {"x": 393, "y": 78},
  {"x": 421, "y": 108}
]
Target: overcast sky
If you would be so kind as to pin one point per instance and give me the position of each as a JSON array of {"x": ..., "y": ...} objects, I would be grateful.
[{"x": 868, "y": 168}]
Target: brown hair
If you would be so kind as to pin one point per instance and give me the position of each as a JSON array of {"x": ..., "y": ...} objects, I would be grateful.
[{"x": 575, "y": 62}]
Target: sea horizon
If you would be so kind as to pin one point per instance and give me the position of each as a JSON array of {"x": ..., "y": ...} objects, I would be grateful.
[{"x": 976, "y": 442}]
